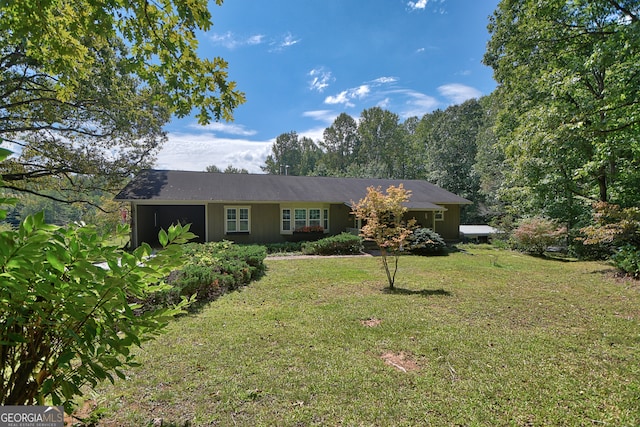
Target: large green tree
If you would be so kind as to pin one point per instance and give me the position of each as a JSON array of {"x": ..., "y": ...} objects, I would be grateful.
[
  {"x": 86, "y": 86},
  {"x": 446, "y": 143},
  {"x": 381, "y": 143},
  {"x": 292, "y": 155},
  {"x": 341, "y": 144},
  {"x": 569, "y": 75}
]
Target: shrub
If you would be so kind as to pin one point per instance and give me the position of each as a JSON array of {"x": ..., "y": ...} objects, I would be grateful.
[
  {"x": 211, "y": 269},
  {"x": 277, "y": 248},
  {"x": 341, "y": 244},
  {"x": 535, "y": 235},
  {"x": 613, "y": 227},
  {"x": 424, "y": 241},
  {"x": 627, "y": 259},
  {"x": 65, "y": 321}
]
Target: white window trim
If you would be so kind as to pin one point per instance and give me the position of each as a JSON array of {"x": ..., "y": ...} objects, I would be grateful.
[
  {"x": 237, "y": 209},
  {"x": 438, "y": 215},
  {"x": 323, "y": 208}
]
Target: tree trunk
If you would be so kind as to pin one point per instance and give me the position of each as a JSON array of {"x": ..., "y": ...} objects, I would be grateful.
[
  {"x": 602, "y": 184},
  {"x": 385, "y": 263}
]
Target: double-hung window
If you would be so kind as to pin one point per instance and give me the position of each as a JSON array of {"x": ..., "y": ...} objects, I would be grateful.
[
  {"x": 315, "y": 218},
  {"x": 302, "y": 218},
  {"x": 286, "y": 220},
  {"x": 237, "y": 219}
]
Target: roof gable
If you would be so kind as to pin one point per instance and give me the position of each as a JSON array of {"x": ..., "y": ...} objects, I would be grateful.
[{"x": 183, "y": 186}]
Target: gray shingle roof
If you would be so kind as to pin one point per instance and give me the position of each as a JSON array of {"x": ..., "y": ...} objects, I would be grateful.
[{"x": 186, "y": 186}]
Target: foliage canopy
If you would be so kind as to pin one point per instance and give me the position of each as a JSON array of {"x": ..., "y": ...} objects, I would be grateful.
[
  {"x": 568, "y": 77},
  {"x": 86, "y": 86}
]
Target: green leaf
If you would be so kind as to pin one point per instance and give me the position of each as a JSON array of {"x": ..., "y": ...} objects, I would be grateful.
[
  {"x": 163, "y": 238},
  {"x": 55, "y": 261}
]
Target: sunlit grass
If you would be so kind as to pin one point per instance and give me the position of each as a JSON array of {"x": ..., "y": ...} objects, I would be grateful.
[{"x": 498, "y": 338}]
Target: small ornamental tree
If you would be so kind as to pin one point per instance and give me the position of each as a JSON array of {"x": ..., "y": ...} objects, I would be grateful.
[
  {"x": 65, "y": 319},
  {"x": 535, "y": 235},
  {"x": 382, "y": 215}
]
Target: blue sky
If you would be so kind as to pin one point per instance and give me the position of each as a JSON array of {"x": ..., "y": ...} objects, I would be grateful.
[{"x": 303, "y": 62}]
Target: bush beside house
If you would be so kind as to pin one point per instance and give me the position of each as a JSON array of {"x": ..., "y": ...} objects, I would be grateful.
[
  {"x": 341, "y": 244},
  {"x": 211, "y": 270},
  {"x": 424, "y": 241}
]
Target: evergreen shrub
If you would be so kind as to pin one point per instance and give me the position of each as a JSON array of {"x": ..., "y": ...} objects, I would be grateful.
[
  {"x": 424, "y": 241},
  {"x": 341, "y": 244},
  {"x": 627, "y": 259}
]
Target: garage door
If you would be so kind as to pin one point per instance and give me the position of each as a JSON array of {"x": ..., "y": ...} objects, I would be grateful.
[{"x": 152, "y": 218}]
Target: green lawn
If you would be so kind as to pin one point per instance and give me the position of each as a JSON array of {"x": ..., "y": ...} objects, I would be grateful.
[{"x": 484, "y": 338}]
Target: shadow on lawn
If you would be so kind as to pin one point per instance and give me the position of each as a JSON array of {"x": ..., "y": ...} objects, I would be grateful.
[{"x": 423, "y": 292}]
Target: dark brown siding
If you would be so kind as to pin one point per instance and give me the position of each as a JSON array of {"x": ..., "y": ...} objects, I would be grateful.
[
  {"x": 265, "y": 223},
  {"x": 447, "y": 229}
]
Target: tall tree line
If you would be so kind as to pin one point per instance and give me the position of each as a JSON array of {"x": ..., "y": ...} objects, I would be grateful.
[{"x": 441, "y": 147}]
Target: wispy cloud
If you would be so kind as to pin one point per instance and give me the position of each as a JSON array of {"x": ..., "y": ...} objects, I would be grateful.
[
  {"x": 418, "y": 104},
  {"x": 233, "y": 41},
  {"x": 284, "y": 42},
  {"x": 326, "y": 116},
  {"x": 458, "y": 93},
  {"x": 384, "y": 80},
  {"x": 347, "y": 97},
  {"x": 320, "y": 79},
  {"x": 384, "y": 104},
  {"x": 228, "y": 128}
]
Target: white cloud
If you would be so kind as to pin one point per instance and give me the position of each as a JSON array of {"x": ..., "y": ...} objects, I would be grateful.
[
  {"x": 346, "y": 96},
  {"x": 289, "y": 40},
  {"x": 384, "y": 104},
  {"x": 417, "y": 104},
  {"x": 196, "y": 151},
  {"x": 320, "y": 79},
  {"x": 458, "y": 93},
  {"x": 341, "y": 98},
  {"x": 228, "y": 128},
  {"x": 361, "y": 91},
  {"x": 256, "y": 39},
  {"x": 232, "y": 41},
  {"x": 283, "y": 43},
  {"x": 316, "y": 134},
  {"x": 383, "y": 80},
  {"x": 326, "y": 116},
  {"x": 420, "y": 4}
]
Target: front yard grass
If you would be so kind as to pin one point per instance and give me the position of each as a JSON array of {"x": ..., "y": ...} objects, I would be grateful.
[{"x": 482, "y": 338}]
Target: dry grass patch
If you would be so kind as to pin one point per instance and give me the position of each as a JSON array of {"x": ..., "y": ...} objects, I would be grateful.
[
  {"x": 402, "y": 361},
  {"x": 371, "y": 322}
]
